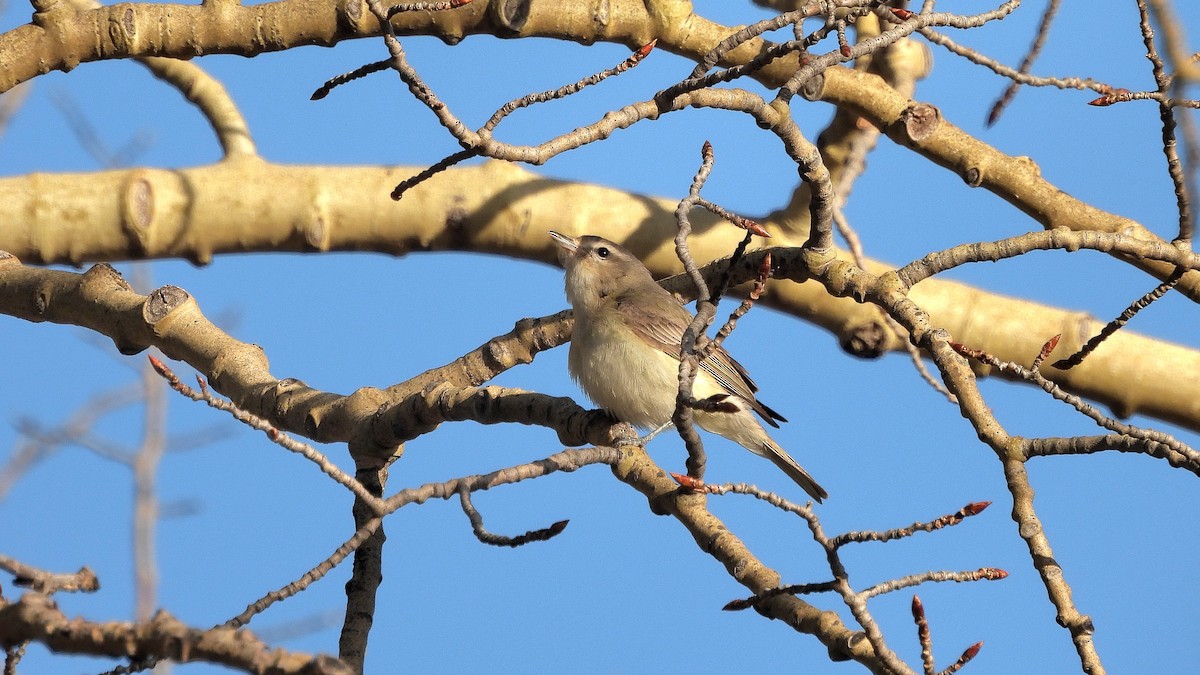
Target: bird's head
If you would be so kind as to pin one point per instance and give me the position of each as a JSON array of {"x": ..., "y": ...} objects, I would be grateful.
[{"x": 598, "y": 269}]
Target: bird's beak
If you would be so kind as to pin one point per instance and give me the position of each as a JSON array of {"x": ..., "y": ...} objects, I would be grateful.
[{"x": 567, "y": 244}]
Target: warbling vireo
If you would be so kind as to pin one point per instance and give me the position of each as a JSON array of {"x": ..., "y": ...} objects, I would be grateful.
[{"x": 625, "y": 353}]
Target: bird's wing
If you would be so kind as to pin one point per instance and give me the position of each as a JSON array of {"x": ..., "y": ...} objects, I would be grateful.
[{"x": 665, "y": 332}]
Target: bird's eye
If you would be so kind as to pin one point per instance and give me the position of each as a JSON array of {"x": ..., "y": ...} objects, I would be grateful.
[{"x": 602, "y": 252}]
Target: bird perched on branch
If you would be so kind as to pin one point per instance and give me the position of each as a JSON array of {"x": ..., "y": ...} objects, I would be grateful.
[{"x": 625, "y": 353}]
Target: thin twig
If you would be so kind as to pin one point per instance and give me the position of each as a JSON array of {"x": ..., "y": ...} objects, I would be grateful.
[
  {"x": 926, "y": 642},
  {"x": 41, "y": 581},
  {"x": 1039, "y": 40},
  {"x": 1167, "y": 115},
  {"x": 492, "y": 539},
  {"x": 1119, "y": 322},
  {"x": 275, "y": 435},
  {"x": 358, "y": 73},
  {"x": 1052, "y": 388}
]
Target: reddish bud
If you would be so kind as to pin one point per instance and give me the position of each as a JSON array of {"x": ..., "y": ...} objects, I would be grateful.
[
  {"x": 966, "y": 351},
  {"x": 846, "y": 51},
  {"x": 972, "y": 651},
  {"x": 706, "y": 150},
  {"x": 1113, "y": 96},
  {"x": 558, "y": 527},
  {"x": 687, "y": 481},
  {"x": 993, "y": 573},
  {"x": 1045, "y": 352},
  {"x": 918, "y": 609},
  {"x": 764, "y": 268},
  {"x": 754, "y": 228},
  {"x": 975, "y": 508},
  {"x": 735, "y": 606},
  {"x": 902, "y": 14},
  {"x": 645, "y": 50},
  {"x": 164, "y": 372}
]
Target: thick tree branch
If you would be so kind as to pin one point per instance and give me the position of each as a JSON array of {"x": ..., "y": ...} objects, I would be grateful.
[
  {"x": 844, "y": 279},
  {"x": 712, "y": 536},
  {"x": 170, "y": 319},
  {"x": 61, "y": 38},
  {"x": 41, "y": 581},
  {"x": 1017, "y": 180},
  {"x": 36, "y": 618},
  {"x": 147, "y": 213},
  {"x": 191, "y": 215}
]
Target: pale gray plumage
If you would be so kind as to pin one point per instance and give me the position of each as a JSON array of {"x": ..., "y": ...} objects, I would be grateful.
[{"x": 625, "y": 352}]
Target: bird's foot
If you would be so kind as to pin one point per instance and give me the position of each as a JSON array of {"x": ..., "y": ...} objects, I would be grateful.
[{"x": 650, "y": 436}]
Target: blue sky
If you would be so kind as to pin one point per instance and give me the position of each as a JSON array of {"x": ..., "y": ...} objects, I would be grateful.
[{"x": 621, "y": 590}]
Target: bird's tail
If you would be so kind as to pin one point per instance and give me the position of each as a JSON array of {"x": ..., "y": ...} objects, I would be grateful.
[{"x": 784, "y": 461}]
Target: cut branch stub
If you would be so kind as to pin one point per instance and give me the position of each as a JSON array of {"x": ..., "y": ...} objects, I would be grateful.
[
  {"x": 510, "y": 14},
  {"x": 919, "y": 122},
  {"x": 162, "y": 302}
]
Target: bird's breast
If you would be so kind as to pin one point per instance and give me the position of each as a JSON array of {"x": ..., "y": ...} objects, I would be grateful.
[{"x": 620, "y": 372}]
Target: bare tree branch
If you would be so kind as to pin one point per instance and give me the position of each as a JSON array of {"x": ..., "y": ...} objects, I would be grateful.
[{"x": 36, "y": 618}]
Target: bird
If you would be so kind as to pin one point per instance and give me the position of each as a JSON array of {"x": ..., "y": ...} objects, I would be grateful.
[{"x": 625, "y": 352}]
